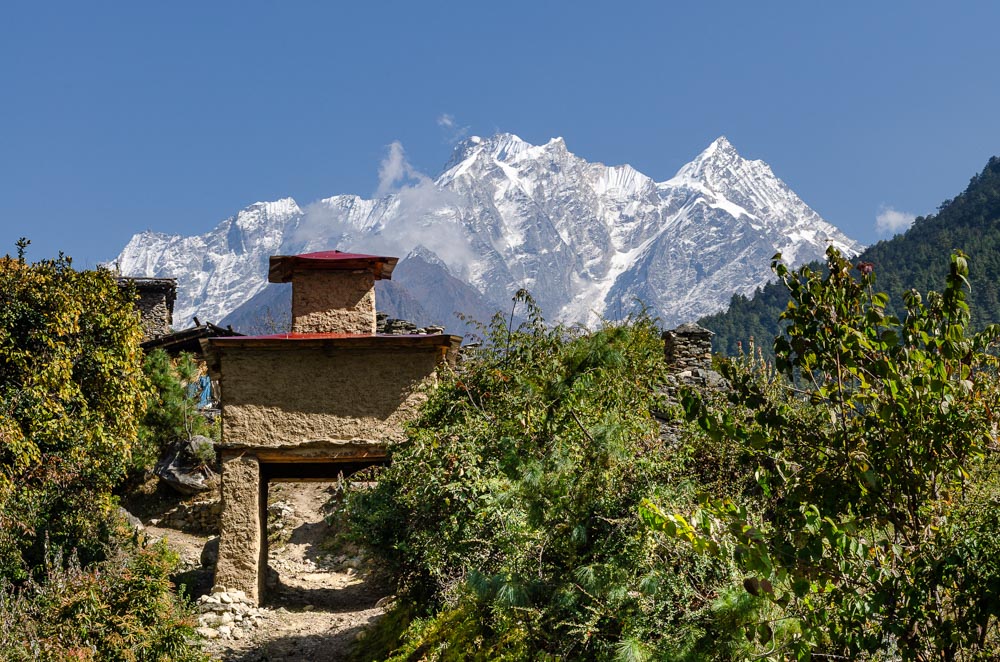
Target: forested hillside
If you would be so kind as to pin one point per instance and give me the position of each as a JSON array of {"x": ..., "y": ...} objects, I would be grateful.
[{"x": 970, "y": 222}]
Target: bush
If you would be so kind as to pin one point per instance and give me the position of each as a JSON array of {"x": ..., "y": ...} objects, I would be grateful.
[
  {"x": 71, "y": 394},
  {"x": 512, "y": 510},
  {"x": 72, "y": 391},
  {"x": 122, "y": 608},
  {"x": 171, "y": 412},
  {"x": 874, "y": 453}
]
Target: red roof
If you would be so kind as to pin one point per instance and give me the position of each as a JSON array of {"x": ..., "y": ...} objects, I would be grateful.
[
  {"x": 283, "y": 266},
  {"x": 295, "y": 335},
  {"x": 287, "y": 340},
  {"x": 339, "y": 255}
]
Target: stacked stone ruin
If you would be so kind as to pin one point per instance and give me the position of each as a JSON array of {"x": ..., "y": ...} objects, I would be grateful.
[
  {"x": 688, "y": 353},
  {"x": 391, "y": 326},
  {"x": 155, "y": 302},
  {"x": 201, "y": 516},
  {"x": 225, "y": 613}
]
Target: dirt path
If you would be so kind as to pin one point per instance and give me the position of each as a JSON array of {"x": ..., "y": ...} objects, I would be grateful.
[
  {"x": 321, "y": 603},
  {"x": 320, "y": 598}
]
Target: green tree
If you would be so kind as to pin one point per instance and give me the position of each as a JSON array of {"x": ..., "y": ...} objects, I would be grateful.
[
  {"x": 872, "y": 459},
  {"x": 121, "y": 609},
  {"x": 72, "y": 392},
  {"x": 970, "y": 222},
  {"x": 171, "y": 412}
]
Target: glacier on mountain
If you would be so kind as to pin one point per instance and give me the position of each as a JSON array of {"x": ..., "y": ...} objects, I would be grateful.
[{"x": 589, "y": 241}]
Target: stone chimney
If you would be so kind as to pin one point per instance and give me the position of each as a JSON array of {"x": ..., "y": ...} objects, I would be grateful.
[{"x": 332, "y": 292}]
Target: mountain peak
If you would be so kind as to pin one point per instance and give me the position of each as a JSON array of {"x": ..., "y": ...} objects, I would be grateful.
[
  {"x": 721, "y": 143},
  {"x": 581, "y": 236},
  {"x": 504, "y": 147},
  {"x": 281, "y": 207},
  {"x": 719, "y": 150},
  {"x": 716, "y": 162},
  {"x": 427, "y": 255}
]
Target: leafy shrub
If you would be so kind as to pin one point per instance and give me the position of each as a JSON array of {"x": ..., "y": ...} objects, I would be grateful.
[
  {"x": 512, "y": 511},
  {"x": 72, "y": 391},
  {"x": 71, "y": 394},
  {"x": 171, "y": 413},
  {"x": 874, "y": 454},
  {"x": 122, "y": 608}
]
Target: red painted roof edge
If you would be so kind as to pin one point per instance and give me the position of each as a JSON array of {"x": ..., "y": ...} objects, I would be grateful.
[
  {"x": 281, "y": 267},
  {"x": 277, "y": 338}
]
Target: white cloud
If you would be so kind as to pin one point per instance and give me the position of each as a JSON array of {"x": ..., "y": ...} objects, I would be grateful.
[
  {"x": 453, "y": 132},
  {"x": 892, "y": 221},
  {"x": 395, "y": 170},
  {"x": 415, "y": 213}
]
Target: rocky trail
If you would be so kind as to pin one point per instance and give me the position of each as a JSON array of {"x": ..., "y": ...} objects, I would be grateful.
[{"x": 322, "y": 594}]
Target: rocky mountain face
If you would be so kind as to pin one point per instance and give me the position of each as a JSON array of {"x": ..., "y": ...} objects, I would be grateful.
[{"x": 587, "y": 240}]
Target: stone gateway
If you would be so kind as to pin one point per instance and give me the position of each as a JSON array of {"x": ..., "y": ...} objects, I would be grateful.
[{"x": 328, "y": 397}]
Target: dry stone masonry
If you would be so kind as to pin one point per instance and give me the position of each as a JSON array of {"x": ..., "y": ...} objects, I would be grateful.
[
  {"x": 155, "y": 302},
  {"x": 228, "y": 614},
  {"x": 688, "y": 353},
  {"x": 391, "y": 326},
  {"x": 201, "y": 517}
]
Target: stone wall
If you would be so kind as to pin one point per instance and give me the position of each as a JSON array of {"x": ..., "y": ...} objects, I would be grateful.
[
  {"x": 333, "y": 302},
  {"x": 273, "y": 398},
  {"x": 390, "y": 326},
  {"x": 155, "y": 303},
  {"x": 688, "y": 353},
  {"x": 200, "y": 517},
  {"x": 688, "y": 347}
]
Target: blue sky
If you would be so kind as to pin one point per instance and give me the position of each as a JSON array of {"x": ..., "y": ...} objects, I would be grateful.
[{"x": 121, "y": 117}]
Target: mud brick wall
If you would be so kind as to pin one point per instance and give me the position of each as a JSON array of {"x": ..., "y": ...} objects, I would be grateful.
[
  {"x": 244, "y": 511},
  {"x": 333, "y": 302},
  {"x": 276, "y": 398}
]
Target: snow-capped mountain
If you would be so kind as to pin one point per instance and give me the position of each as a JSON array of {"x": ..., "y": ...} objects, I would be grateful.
[{"x": 587, "y": 240}]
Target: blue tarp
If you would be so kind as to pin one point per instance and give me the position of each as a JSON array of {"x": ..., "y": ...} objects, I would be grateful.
[{"x": 201, "y": 389}]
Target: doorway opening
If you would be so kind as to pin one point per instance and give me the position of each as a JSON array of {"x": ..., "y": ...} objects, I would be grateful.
[{"x": 307, "y": 556}]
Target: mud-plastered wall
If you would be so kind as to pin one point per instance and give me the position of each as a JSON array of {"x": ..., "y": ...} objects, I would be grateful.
[
  {"x": 240, "y": 547},
  {"x": 273, "y": 398},
  {"x": 333, "y": 302}
]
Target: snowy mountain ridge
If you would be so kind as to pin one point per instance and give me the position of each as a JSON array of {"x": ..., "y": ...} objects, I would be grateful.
[{"x": 587, "y": 240}]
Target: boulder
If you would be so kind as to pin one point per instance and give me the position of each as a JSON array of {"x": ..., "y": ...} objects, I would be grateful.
[
  {"x": 210, "y": 552},
  {"x": 178, "y": 467},
  {"x": 134, "y": 522}
]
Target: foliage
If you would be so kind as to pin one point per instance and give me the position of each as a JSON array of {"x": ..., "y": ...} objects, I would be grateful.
[
  {"x": 71, "y": 393},
  {"x": 122, "y": 608},
  {"x": 171, "y": 412},
  {"x": 970, "y": 222},
  {"x": 872, "y": 459},
  {"x": 512, "y": 511}
]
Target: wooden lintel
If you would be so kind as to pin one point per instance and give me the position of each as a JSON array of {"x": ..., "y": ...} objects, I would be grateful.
[{"x": 317, "y": 455}]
